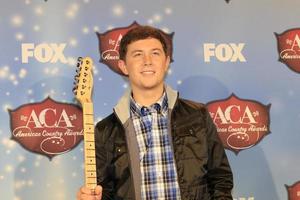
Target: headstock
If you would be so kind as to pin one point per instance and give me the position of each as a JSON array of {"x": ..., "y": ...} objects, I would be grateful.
[{"x": 84, "y": 80}]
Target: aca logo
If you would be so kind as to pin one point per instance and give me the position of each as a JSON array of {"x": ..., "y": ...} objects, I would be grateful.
[
  {"x": 288, "y": 44},
  {"x": 240, "y": 123},
  {"x": 109, "y": 43},
  {"x": 293, "y": 191},
  {"x": 224, "y": 52},
  {"x": 44, "y": 52},
  {"x": 48, "y": 128}
]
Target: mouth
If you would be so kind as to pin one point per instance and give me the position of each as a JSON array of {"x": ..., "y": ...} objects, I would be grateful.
[{"x": 148, "y": 72}]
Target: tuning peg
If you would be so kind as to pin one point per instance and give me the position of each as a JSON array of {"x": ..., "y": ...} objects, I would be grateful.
[
  {"x": 75, "y": 91},
  {"x": 78, "y": 65},
  {"x": 76, "y": 82},
  {"x": 75, "y": 88}
]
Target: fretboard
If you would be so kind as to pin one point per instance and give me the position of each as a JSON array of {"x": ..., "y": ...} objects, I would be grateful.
[{"x": 89, "y": 146}]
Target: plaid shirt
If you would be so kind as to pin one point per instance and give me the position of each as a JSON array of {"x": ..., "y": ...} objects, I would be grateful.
[{"x": 158, "y": 170}]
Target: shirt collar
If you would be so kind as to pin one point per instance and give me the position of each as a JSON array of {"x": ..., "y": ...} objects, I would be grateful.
[{"x": 161, "y": 106}]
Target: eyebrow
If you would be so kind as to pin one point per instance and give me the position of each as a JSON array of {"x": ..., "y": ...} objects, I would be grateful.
[
  {"x": 135, "y": 51},
  {"x": 138, "y": 50},
  {"x": 155, "y": 49}
]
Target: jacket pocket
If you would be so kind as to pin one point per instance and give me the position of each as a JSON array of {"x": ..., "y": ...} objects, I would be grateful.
[
  {"x": 191, "y": 153},
  {"x": 191, "y": 140},
  {"x": 120, "y": 159}
]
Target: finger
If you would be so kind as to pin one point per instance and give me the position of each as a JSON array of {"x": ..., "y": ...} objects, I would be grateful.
[
  {"x": 98, "y": 197},
  {"x": 78, "y": 195},
  {"x": 89, "y": 197},
  {"x": 98, "y": 190},
  {"x": 86, "y": 190}
]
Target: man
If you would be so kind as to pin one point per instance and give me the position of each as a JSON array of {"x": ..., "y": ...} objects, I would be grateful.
[{"x": 156, "y": 145}]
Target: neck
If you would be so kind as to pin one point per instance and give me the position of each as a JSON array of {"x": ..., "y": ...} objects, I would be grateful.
[{"x": 147, "y": 97}]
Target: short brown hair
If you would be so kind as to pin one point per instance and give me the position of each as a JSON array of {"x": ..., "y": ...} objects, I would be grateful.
[{"x": 140, "y": 33}]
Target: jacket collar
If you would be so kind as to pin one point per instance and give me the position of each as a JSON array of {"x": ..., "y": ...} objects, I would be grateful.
[{"x": 122, "y": 108}]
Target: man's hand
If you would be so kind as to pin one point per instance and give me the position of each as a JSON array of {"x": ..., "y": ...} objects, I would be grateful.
[{"x": 85, "y": 193}]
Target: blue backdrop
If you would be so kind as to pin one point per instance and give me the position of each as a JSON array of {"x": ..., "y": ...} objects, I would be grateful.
[{"x": 260, "y": 172}]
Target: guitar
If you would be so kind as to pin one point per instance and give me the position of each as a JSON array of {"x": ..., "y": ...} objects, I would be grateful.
[{"x": 83, "y": 93}]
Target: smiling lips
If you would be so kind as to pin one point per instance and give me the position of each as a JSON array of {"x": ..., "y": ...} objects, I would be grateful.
[{"x": 148, "y": 72}]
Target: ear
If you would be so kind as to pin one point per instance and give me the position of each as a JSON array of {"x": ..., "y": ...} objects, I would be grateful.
[
  {"x": 122, "y": 67},
  {"x": 168, "y": 60}
]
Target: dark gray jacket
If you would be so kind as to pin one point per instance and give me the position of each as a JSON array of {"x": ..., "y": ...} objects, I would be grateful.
[{"x": 202, "y": 166}]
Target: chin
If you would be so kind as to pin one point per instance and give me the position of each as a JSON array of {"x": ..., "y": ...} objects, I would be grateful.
[{"x": 152, "y": 86}]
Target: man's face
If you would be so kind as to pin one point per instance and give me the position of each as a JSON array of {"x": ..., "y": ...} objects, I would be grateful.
[{"x": 145, "y": 64}]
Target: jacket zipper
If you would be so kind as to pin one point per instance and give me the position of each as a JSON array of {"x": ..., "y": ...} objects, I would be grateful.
[
  {"x": 131, "y": 176},
  {"x": 172, "y": 144}
]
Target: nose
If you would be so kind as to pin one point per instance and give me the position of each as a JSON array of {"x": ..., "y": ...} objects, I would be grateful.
[{"x": 147, "y": 59}]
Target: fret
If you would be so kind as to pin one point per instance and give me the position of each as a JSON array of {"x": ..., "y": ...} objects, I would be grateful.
[
  {"x": 91, "y": 162},
  {"x": 91, "y": 174},
  {"x": 89, "y": 171},
  {"x": 89, "y": 128},
  {"x": 92, "y": 187},
  {"x": 89, "y": 133},
  {"x": 88, "y": 119},
  {"x": 90, "y": 145},
  {"x": 89, "y": 140},
  {"x": 90, "y": 157},
  {"x": 89, "y": 137},
  {"x": 90, "y": 167},
  {"x": 91, "y": 184},
  {"x": 89, "y": 153},
  {"x": 91, "y": 180}
]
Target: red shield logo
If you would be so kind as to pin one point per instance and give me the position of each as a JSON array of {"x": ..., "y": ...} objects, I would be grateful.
[
  {"x": 109, "y": 45},
  {"x": 48, "y": 128},
  {"x": 289, "y": 48},
  {"x": 294, "y": 191},
  {"x": 240, "y": 123}
]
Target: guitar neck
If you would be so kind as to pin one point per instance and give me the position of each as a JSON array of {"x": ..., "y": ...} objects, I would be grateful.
[{"x": 89, "y": 146}]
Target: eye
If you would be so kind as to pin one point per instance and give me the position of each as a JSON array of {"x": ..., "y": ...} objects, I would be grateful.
[
  {"x": 137, "y": 54},
  {"x": 156, "y": 53}
]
